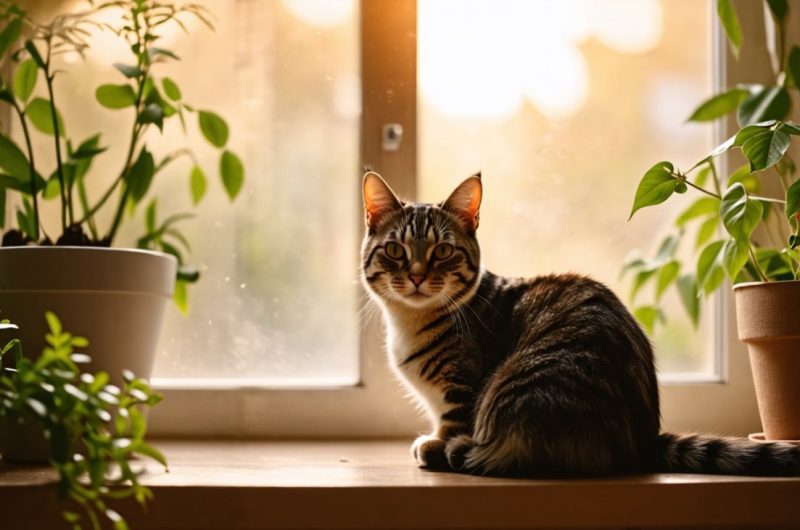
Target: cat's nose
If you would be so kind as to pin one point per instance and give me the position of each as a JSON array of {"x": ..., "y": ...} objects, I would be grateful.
[{"x": 416, "y": 279}]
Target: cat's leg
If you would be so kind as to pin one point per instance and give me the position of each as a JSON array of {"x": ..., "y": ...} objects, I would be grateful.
[
  {"x": 445, "y": 447},
  {"x": 428, "y": 451}
]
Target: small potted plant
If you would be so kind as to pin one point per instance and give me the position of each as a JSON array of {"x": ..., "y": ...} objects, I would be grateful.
[
  {"x": 765, "y": 267},
  {"x": 114, "y": 296},
  {"x": 88, "y": 427}
]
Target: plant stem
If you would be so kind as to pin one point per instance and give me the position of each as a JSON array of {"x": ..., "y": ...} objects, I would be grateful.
[
  {"x": 31, "y": 167},
  {"x": 767, "y": 199},
  {"x": 698, "y": 188},
  {"x": 755, "y": 262},
  {"x": 85, "y": 206},
  {"x": 715, "y": 176},
  {"x": 137, "y": 127},
  {"x": 782, "y": 179},
  {"x": 66, "y": 207}
]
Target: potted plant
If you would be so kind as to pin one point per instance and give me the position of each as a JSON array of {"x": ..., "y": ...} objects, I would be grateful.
[
  {"x": 759, "y": 249},
  {"x": 88, "y": 427},
  {"x": 114, "y": 296}
]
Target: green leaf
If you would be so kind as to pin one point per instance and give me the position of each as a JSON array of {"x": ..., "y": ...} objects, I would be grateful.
[
  {"x": 172, "y": 250},
  {"x": 115, "y": 96},
  {"x": 655, "y": 187},
  {"x": 89, "y": 148},
  {"x": 776, "y": 265},
  {"x": 153, "y": 113},
  {"x": 157, "y": 53},
  {"x": 666, "y": 276},
  {"x": 181, "y": 296},
  {"x": 141, "y": 175},
  {"x": 232, "y": 172},
  {"x": 778, "y": 8},
  {"x": 148, "y": 450},
  {"x": 748, "y": 179},
  {"x": 25, "y": 79},
  {"x": 641, "y": 278},
  {"x": 702, "y": 175},
  {"x": 792, "y": 200},
  {"x": 171, "y": 89},
  {"x": 10, "y": 34},
  {"x": 709, "y": 267},
  {"x": 35, "y": 55},
  {"x": 700, "y": 208},
  {"x": 719, "y": 105},
  {"x": 793, "y": 65},
  {"x": 2, "y": 207},
  {"x": 41, "y": 116},
  {"x": 647, "y": 316},
  {"x": 750, "y": 131},
  {"x": 128, "y": 70},
  {"x": 687, "y": 288},
  {"x": 26, "y": 221},
  {"x": 52, "y": 189},
  {"x": 150, "y": 217},
  {"x": 766, "y": 148},
  {"x": 197, "y": 183},
  {"x": 734, "y": 257},
  {"x": 769, "y": 103},
  {"x": 188, "y": 274},
  {"x": 13, "y": 160},
  {"x": 739, "y": 213},
  {"x": 53, "y": 323},
  {"x": 667, "y": 248},
  {"x": 730, "y": 22},
  {"x": 213, "y": 127},
  {"x": 723, "y": 147}
]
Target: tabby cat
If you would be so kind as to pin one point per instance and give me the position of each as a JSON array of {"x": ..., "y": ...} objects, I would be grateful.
[{"x": 550, "y": 375}]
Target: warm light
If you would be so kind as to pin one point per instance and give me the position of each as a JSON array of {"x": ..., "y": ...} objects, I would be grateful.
[
  {"x": 484, "y": 58},
  {"x": 321, "y": 13},
  {"x": 557, "y": 82},
  {"x": 627, "y": 26}
]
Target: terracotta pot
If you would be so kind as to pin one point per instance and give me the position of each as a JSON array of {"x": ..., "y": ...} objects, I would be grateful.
[
  {"x": 768, "y": 318},
  {"x": 116, "y": 298}
]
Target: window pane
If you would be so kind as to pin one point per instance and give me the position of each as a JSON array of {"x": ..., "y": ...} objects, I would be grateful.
[
  {"x": 563, "y": 105},
  {"x": 277, "y": 298}
]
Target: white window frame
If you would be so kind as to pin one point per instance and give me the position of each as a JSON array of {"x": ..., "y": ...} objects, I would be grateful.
[{"x": 377, "y": 406}]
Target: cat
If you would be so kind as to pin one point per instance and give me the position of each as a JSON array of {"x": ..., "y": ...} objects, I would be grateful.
[{"x": 550, "y": 375}]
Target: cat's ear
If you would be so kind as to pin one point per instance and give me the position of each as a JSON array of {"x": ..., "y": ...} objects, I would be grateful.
[
  {"x": 379, "y": 199},
  {"x": 465, "y": 202}
]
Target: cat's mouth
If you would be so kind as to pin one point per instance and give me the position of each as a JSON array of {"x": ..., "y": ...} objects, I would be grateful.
[{"x": 417, "y": 295}]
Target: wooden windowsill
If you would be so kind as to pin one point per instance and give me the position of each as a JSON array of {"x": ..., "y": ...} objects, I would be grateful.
[{"x": 230, "y": 485}]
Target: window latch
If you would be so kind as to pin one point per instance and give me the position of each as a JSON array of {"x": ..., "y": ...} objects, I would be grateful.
[{"x": 392, "y": 136}]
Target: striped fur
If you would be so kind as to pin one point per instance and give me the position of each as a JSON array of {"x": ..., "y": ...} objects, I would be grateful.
[{"x": 550, "y": 375}]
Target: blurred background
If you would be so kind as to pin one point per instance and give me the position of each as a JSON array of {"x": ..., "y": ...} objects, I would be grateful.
[{"x": 561, "y": 104}]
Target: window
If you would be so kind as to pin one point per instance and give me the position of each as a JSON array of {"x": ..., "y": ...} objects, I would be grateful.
[{"x": 562, "y": 105}]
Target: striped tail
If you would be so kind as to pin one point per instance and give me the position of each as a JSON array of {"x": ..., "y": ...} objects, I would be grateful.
[{"x": 699, "y": 453}]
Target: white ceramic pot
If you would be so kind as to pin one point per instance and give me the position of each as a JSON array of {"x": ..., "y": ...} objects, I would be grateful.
[{"x": 116, "y": 298}]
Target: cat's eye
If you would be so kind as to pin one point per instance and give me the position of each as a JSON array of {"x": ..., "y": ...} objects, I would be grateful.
[
  {"x": 394, "y": 250},
  {"x": 443, "y": 251}
]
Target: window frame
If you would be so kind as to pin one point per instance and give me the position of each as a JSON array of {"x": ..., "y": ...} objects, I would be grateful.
[{"x": 377, "y": 406}]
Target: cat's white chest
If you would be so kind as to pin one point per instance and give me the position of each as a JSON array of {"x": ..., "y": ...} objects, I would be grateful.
[{"x": 402, "y": 341}]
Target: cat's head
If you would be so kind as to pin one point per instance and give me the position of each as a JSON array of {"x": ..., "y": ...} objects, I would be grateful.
[{"x": 421, "y": 255}]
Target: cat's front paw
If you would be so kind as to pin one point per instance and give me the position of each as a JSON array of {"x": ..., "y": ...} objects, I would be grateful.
[
  {"x": 456, "y": 451},
  {"x": 428, "y": 451}
]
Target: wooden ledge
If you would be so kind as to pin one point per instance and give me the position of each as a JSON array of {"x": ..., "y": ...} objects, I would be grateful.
[{"x": 374, "y": 485}]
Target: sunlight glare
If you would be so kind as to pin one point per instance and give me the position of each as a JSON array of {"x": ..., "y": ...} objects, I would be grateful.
[
  {"x": 483, "y": 59},
  {"x": 321, "y": 13},
  {"x": 627, "y": 26}
]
